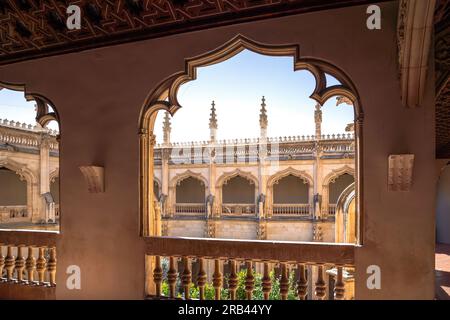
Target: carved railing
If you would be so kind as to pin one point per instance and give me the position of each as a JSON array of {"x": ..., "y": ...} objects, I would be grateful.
[
  {"x": 11, "y": 213},
  {"x": 309, "y": 260},
  {"x": 189, "y": 208},
  {"x": 238, "y": 209},
  {"x": 331, "y": 209},
  {"x": 28, "y": 258},
  {"x": 295, "y": 209}
]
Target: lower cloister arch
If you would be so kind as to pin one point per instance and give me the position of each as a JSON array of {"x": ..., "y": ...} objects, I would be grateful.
[
  {"x": 277, "y": 177},
  {"x": 223, "y": 180},
  {"x": 331, "y": 178},
  {"x": 175, "y": 183},
  {"x": 26, "y": 174}
]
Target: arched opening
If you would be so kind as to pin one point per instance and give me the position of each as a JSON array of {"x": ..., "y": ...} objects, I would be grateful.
[
  {"x": 238, "y": 196},
  {"x": 262, "y": 157},
  {"x": 190, "y": 196},
  {"x": 291, "y": 196},
  {"x": 336, "y": 188},
  {"x": 13, "y": 196},
  {"x": 29, "y": 146}
]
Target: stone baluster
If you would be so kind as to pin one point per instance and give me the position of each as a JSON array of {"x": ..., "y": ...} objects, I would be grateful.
[
  {"x": 41, "y": 265},
  {"x": 232, "y": 280},
  {"x": 19, "y": 263},
  {"x": 217, "y": 279},
  {"x": 339, "y": 286},
  {"x": 186, "y": 278},
  {"x": 30, "y": 265},
  {"x": 9, "y": 263},
  {"x": 201, "y": 279},
  {"x": 249, "y": 281},
  {"x": 320, "y": 283},
  {"x": 157, "y": 276},
  {"x": 284, "y": 282},
  {"x": 172, "y": 277},
  {"x": 51, "y": 266},
  {"x": 302, "y": 283},
  {"x": 2, "y": 258},
  {"x": 266, "y": 282}
]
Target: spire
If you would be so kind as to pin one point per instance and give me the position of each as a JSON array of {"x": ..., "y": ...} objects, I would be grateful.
[
  {"x": 263, "y": 122},
  {"x": 166, "y": 128},
  {"x": 318, "y": 120},
  {"x": 213, "y": 122}
]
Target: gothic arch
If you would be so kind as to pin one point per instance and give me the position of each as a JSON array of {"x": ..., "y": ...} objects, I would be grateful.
[
  {"x": 164, "y": 97},
  {"x": 303, "y": 175},
  {"x": 237, "y": 172},
  {"x": 289, "y": 171},
  {"x": 330, "y": 178},
  {"x": 20, "y": 169},
  {"x": 43, "y": 113},
  {"x": 26, "y": 174},
  {"x": 187, "y": 174},
  {"x": 53, "y": 175},
  {"x": 334, "y": 174}
]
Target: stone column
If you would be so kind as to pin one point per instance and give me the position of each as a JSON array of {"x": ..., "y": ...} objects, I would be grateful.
[{"x": 44, "y": 176}]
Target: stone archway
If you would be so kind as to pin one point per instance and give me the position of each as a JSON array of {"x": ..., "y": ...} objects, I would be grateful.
[
  {"x": 34, "y": 205},
  {"x": 331, "y": 178}
]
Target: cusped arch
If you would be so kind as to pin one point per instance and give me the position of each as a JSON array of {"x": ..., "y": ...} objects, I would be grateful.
[
  {"x": 177, "y": 179},
  {"x": 53, "y": 175},
  {"x": 226, "y": 176},
  {"x": 20, "y": 169},
  {"x": 334, "y": 174},
  {"x": 164, "y": 97},
  {"x": 43, "y": 113},
  {"x": 275, "y": 178}
]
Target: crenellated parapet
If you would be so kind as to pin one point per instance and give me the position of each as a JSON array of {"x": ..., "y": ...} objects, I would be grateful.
[
  {"x": 20, "y": 134},
  {"x": 249, "y": 149}
]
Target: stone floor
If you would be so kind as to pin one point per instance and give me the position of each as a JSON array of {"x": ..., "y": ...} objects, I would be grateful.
[{"x": 442, "y": 271}]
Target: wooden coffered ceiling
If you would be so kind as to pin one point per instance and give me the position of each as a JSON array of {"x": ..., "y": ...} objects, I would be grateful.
[
  {"x": 442, "y": 66},
  {"x": 36, "y": 28}
]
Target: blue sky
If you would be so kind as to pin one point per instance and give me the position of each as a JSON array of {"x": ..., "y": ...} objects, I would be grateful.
[{"x": 237, "y": 86}]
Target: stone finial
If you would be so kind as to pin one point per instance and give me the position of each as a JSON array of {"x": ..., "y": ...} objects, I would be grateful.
[
  {"x": 213, "y": 122},
  {"x": 166, "y": 128},
  {"x": 213, "y": 116},
  {"x": 263, "y": 122}
]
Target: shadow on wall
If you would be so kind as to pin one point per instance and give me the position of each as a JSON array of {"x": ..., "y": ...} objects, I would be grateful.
[{"x": 443, "y": 207}]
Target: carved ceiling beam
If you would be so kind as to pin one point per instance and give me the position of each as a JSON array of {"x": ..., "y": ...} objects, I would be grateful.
[{"x": 414, "y": 30}]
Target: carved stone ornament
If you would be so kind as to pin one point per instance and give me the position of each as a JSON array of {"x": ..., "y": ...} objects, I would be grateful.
[
  {"x": 95, "y": 178},
  {"x": 400, "y": 172}
]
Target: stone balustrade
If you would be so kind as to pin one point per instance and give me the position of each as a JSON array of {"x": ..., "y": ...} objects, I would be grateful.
[
  {"x": 28, "y": 264},
  {"x": 189, "y": 208},
  {"x": 238, "y": 209},
  {"x": 12, "y": 213},
  {"x": 301, "y": 268},
  {"x": 294, "y": 209},
  {"x": 331, "y": 209}
]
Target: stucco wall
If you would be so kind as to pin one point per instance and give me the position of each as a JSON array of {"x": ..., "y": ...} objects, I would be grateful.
[{"x": 99, "y": 95}]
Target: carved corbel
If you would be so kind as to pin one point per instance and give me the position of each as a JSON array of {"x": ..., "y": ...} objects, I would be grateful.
[{"x": 94, "y": 177}]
